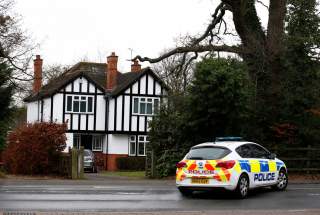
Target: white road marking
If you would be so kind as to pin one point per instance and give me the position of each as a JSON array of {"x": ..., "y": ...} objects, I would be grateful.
[
  {"x": 314, "y": 194},
  {"x": 304, "y": 188},
  {"x": 298, "y": 210}
]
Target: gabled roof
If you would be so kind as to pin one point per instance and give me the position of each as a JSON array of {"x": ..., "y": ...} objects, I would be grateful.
[{"x": 95, "y": 73}]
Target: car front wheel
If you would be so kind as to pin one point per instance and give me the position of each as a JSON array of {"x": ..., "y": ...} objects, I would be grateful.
[
  {"x": 242, "y": 187},
  {"x": 282, "y": 182}
]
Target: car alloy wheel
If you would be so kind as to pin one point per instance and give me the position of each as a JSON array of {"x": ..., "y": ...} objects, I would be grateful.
[
  {"x": 282, "y": 180},
  {"x": 243, "y": 186}
]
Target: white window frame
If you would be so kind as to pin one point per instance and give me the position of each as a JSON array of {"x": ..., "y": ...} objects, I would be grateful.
[
  {"x": 132, "y": 140},
  {"x": 78, "y": 138},
  {"x": 152, "y": 102},
  {"x": 144, "y": 141},
  {"x": 72, "y": 101},
  {"x": 97, "y": 139}
]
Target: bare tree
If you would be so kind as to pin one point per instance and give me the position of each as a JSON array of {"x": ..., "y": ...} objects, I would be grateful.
[
  {"x": 51, "y": 72},
  {"x": 176, "y": 71},
  {"x": 261, "y": 49},
  {"x": 15, "y": 45}
]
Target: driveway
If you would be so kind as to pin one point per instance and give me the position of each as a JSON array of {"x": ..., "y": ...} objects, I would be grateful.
[{"x": 149, "y": 196}]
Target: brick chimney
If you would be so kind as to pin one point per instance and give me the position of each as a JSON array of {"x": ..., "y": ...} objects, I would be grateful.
[
  {"x": 112, "y": 71},
  {"x": 135, "y": 67},
  {"x": 37, "y": 65}
]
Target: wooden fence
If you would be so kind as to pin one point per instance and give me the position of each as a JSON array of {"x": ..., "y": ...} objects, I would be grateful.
[
  {"x": 71, "y": 164},
  {"x": 300, "y": 159}
]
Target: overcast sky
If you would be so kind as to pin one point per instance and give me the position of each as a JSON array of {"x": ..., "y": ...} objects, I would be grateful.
[{"x": 71, "y": 30}]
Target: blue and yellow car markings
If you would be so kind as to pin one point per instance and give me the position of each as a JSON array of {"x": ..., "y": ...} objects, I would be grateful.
[{"x": 257, "y": 166}]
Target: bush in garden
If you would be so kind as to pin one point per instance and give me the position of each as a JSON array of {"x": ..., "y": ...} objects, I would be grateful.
[
  {"x": 131, "y": 163},
  {"x": 35, "y": 148}
]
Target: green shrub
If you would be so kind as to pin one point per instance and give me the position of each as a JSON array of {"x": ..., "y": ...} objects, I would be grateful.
[{"x": 131, "y": 163}]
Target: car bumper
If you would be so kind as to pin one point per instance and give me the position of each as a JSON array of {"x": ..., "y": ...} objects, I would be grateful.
[
  {"x": 187, "y": 183},
  {"x": 88, "y": 165}
]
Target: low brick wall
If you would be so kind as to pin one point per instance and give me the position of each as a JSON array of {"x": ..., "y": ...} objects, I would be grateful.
[{"x": 111, "y": 161}]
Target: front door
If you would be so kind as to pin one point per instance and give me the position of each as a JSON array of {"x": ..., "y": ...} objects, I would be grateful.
[{"x": 86, "y": 141}]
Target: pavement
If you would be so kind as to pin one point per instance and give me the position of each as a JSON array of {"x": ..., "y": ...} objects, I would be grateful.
[{"x": 132, "y": 196}]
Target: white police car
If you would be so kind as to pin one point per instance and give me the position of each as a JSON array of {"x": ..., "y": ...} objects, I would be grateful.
[{"x": 232, "y": 164}]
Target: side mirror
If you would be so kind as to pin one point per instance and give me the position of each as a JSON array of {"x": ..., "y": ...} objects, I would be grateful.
[{"x": 272, "y": 156}]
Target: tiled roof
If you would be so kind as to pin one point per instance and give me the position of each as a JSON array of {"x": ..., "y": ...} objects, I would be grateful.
[{"x": 95, "y": 72}]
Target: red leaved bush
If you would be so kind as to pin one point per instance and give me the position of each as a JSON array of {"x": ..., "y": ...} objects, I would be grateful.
[{"x": 35, "y": 148}]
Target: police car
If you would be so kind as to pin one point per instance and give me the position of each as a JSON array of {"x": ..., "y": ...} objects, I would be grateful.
[{"x": 232, "y": 164}]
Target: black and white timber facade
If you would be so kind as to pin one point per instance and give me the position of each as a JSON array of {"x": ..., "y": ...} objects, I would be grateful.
[{"x": 113, "y": 122}]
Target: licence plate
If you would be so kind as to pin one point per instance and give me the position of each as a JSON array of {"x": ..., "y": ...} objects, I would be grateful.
[{"x": 199, "y": 180}]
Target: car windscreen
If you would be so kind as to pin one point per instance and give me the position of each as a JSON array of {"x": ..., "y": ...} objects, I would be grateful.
[
  {"x": 207, "y": 153},
  {"x": 87, "y": 153}
]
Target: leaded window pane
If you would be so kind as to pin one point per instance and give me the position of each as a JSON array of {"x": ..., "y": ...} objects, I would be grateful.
[
  {"x": 89, "y": 104},
  {"x": 136, "y": 105},
  {"x": 132, "y": 148},
  {"x": 149, "y": 108},
  {"x": 75, "y": 106},
  {"x": 156, "y": 106},
  {"x": 83, "y": 106},
  {"x": 142, "y": 108},
  {"x": 69, "y": 103},
  {"x": 141, "y": 148}
]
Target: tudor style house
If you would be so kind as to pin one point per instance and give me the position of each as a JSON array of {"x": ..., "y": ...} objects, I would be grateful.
[{"x": 106, "y": 111}]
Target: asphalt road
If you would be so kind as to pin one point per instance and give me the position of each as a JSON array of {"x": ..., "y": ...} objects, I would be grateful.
[{"x": 118, "y": 195}]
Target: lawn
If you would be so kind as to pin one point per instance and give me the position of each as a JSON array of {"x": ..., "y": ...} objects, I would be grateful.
[{"x": 130, "y": 174}]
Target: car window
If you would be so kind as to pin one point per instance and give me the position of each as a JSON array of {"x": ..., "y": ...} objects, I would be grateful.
[
  {"x": 259, "y": 152},
  {"x": 207, "y": 153},
  {"x": 87, "y": 153},
  {"x": 244, "y": 151}
]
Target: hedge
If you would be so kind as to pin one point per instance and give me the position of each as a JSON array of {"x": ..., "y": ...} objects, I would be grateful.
[
  {"x": 35, "y": 148},
  {"x": 131, "y": 163}
]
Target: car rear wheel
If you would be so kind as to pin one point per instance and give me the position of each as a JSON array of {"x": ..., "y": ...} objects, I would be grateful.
[
  {"x": 185, "y": 192},
  {"x": 242, "y": 187},
  {"x": 282, "y": 182}
]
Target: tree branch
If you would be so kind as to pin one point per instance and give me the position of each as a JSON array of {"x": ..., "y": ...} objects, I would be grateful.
[
  {"x": 263, "y": 4},
  {"x": 194, "y": 45},
  {"x": 198, "y": 49}
]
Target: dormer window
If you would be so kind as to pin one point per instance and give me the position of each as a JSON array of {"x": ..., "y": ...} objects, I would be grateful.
[
  {"x": 79, "y": 104},
  {"x": 145, "y": 105}
]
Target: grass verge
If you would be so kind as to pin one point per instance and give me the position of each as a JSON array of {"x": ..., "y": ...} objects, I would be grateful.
[{"x": 129, "y": 174}]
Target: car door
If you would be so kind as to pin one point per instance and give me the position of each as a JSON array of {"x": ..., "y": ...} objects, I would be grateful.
[
  {"x": 261, "y": 170},
  {"x": 245, "y": 153}
]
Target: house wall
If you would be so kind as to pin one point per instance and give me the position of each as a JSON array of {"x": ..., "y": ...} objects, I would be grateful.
[
  {"x": 46, "y": 110},
  {"x": 69, "y": 141},
  {"x": 84, "y": 122},
  {"x": 32, "y": 112},
  {"x": 118, "y": 144},
  {"x": 57, "y": 101},
  {"x": 121, "y": 123},
  {"x": 121, "y": 118}
]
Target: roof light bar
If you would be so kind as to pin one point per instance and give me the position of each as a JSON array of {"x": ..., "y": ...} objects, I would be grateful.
[{"x": 220, "y": 139}]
